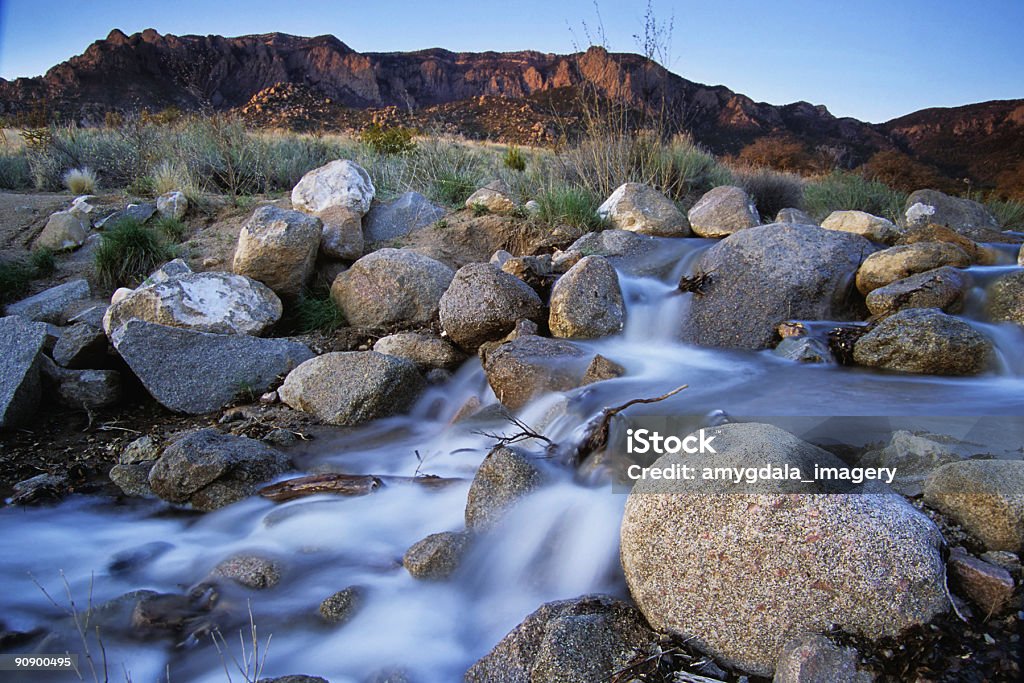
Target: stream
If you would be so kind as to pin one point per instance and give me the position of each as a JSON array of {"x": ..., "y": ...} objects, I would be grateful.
[{"x": 561, "y": 542}]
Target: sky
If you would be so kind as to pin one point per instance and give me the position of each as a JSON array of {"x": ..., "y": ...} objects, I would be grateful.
[{"x": 870, "y": 59}]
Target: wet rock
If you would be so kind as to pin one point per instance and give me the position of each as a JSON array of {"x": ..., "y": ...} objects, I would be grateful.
[
  {"x": 391, "y": 288},
  {"x": 925, "y": 341},
  {"x": 530, "y": 365},
  {"x": 173, "y": 205},
  {"x": 586, "y": 302},
  {"x": 761, "y": 276},
  {"x": 81, "y": 346},
  {"x": 437, "y": 556},
  {"x": 896, "y": 263},
  {"x": 164, "y": 614},
  {"x": 342, "y": 234},
  {"x": 600, "y": 369},
  {"x": 484, "y": 303},
  {"x": 583, "y": 640},
  {"x": 133, "y": 559},
  {"x": 495, "y": 197},
  {"x": 861, "y": 223},
  {"x": 990, "y": 587},
  {"x": 133, "y": 478},
  {"x": 278, "y": 248},
  {"x": 164, "y": 360},
  {"x": 88, "y": 389},
  {"x": 1005, "y": 298},
  {"x": 64, "y": 230},
  {"x": 352, "y": 387},
  {"x": 251, "y": 571},
  {"x": 505, "y": 476},
  {"x": 984, "y": 497},
  {"x": 139, "y": 213},
  {"x": 944, "y": 288},
  {"x": 209, "y": 469},
  {"x": 407, "y": 213},
  {"x": 21, "y": 344},
  {"x": 979, "y": 254},
  {"x": 784, "y": 563},
  {"x": 51, "y": 305},
  {"x": 723, "y": 211},
  {"x": 41, "y": 488},
  {"x": 425, "y": 350},
  {"x": 642, "y": 209},
  {"x": 804, "y": 350},
  {"x": 794, "y": 216},
  {"x": 219, "y": 303},
  {"x": 965, "y": 216},
  {"x": 610, "y": 244},
  {"x": 340, "y": 183},
  {"x": 814, "y": 658},
  {"x": 342, "y": 606},
  {"x": 914, "y": 458}
]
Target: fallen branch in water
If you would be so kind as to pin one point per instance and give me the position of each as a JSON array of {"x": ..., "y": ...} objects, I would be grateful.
[
  {"x": 525, "y": 433},
  {"x": 596, "y": 436},
  {"x": 344, "y": 485}
]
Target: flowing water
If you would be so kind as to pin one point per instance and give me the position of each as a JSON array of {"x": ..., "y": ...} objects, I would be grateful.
[{"x": 561, "y": 542}]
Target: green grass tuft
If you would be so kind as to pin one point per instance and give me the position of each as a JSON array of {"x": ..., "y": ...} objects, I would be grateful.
[
  {"x": 17, "y": 274},
  {"x": 570, "y": 206},
  {"x": 841, "y": 191},
  {"x": 171, "y": 228},
  {"x": 453, "y": 188},
  {"x": 514, "y": 159},
  {"x": 317, "y": 312},
  {"x": 1009, "y": 213},
  {"x": 128, "y": 252}
]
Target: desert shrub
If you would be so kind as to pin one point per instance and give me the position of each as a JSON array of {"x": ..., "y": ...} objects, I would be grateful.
[
  {"x": 1009, "y": 213},
  {"x": 15, "y": 172},
  {"x": 1010, "y": 183},
  {"x": 571, "y": 206},
  {"x": 80, "y": 180},
  {"x": 169, "y": 176},
  {"x": 317, "y": 312},
  {"x": 388, "y": 139},
  {"x": 171, "y": 228},
  {"x": 772, "y": 190},
  {"x": 17, "y": 274},
  {"x": 901, "y": 172},
  {"x": 128, "y": 251},
  {"x": 779, "y": 153},
  {"x": 452, "y": 187},
  {"x": 840, "y": 191},
  {"x": 514, "y": 159}
]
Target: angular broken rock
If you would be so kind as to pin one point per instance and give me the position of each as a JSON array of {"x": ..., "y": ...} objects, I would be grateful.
[
  {"x": 21, "y": 343},
  {"x": 233, "y": 365},
  {"x": 989, "y": 586},
  {"x": 51, "y": 305}
]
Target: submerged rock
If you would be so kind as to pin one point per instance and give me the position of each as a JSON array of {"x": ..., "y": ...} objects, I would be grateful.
[
  {"x": 251, "y": 571},
  {"x": 342, "y": 606},
  {"x": 437, "y": 556}
]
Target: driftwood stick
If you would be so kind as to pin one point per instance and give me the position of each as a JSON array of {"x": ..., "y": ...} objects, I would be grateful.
[
  {"x": 596, "y": 437},
  {"x": 344, "y": 485}
]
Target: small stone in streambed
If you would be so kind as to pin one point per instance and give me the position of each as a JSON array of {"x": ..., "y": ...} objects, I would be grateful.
[
  {"x": 40, "y": 489},
  {"x": 342, "y": 606},
  {"x": 506, "y": 475},
  {"x": 989, "y": 586},
  {"x": 816, "y": 659},
  {"x": 251, "y": 571},
  {"x": 437, "y": 556}
]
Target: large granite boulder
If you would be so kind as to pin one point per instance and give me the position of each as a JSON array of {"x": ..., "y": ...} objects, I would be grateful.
[
  {"x": 723, "y": 211},
  {"x": 484, "y": 303},
  {"x": 278, "y": 248},
  {"x": 21, "y": 345},
  {"x": 586, "y": 302},
  {"x": 341, "y": 183},
  {"x": 642, "y": 209}
]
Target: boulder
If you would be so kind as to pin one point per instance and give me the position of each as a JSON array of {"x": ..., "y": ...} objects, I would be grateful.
[
  {"x": 529, "y": 366},
  {"x": 505, "y": 476},
  {"x": 173, "y": 205},
  {"x": 764, "y": 275},
  {"x": 925, "y": 341},
  {"x": 586, "y": 302},
  {"x": 813, "y": 658},
  {"x": 965, "y": 216},
  {"x": 251, "y": 571},
  {"x": 81, "y": 346},
  {"x": 738, "y": 576},
  {"x": 495, "y": 197},
  {"x": 165, "y": 361},
  {"x": 861, "y": 223},
  {"x": 794, "y": 216},
  {"x": 1004, "y": 298},
  {"x": 895, "y": 263},
  {"x": 131, "y": 473},
  {"x": 87, "y": 389},
  {"x": 407, "y": 213},
  {"x": 978, "y": 253},
  {"x": 483, "y": 303},
  {"x": 983, "y": 496},
  {"x": 583, "y": 640},
  {"x": 642, "y": 209},
  {"x": 64, "y": 230},
  {"x": 392, "y": 288},
  {"x": 278, "y": 248},
  {"x": 342, "y": 234},
  {"x": 437, "y": 556},
  {"x": 607, "y": 243},
  {"x": 989, "y": 586},
  {"x": 339, "y": 183},
  {"x": 140, "y": 213},
  {"x": 51, "y": 305},
  {"x": 352, "y": 387},
  {"x": 425, "y": 350},
  {"x": 21, "y": 344},
  {"x": 209, "y": 469},
  {"x": 219, "y": 303},
  {"x": 914, "y": 457},
  {"x": 944, "y": 288},
  {"x": 342, "y": 606},
  {"x": 723, "y": 211}
]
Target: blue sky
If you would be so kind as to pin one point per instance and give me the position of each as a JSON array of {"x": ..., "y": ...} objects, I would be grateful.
[{"x": 872, "y": 59}]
